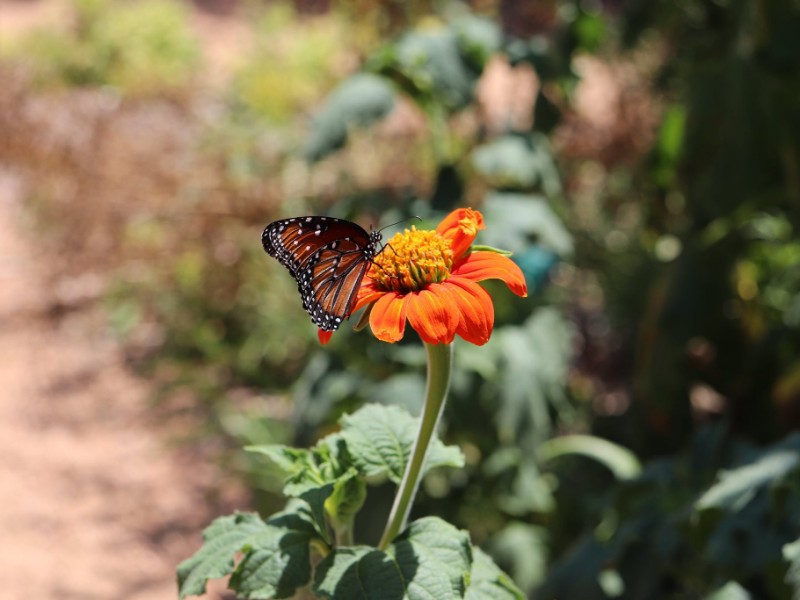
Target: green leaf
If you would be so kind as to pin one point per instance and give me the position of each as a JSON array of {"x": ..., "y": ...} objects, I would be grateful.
[
  {"x": 434, "y": 558},
  {"x": 510, "y": 162},
  {"x": 346, "y": 500},
  {"x": 534, "y": 360},
  {"x": 360, "y": 100},
  {"x": 488, "y": 582},
  {"x": 302, "y": 467},
  {"x": 522, "y": 549},
  {"x": 316, "y": 498},
  {"x": 729, "y": 591},
  {"x": 514, "y": 221},
  {"x": 221, "y": 541},
  {"x": 277, "y": 561},
  {"x": 478, "y": 38},
  {"x": 358, "y": 572},
  {"x": 620, "y": 461},
  {"x": 431, "y": 68},
  {"x": 430, "y": 560},
  {"x": 791, "y": 554},
  {"x": 737, "y": 486},
  {"x": 379, "y": 439}
]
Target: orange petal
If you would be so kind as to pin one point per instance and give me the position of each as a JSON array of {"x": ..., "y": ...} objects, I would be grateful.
[
  {"x": 460, "y": 227},
  {"x": 367, "y": 293},
  {"x": 475, "y": 309},
  {"x": 324, "y": 336},
  {"x": 388, "y": 317},
  {"x": 433, "y": 315},
  {"x": 482, "y": 265}
]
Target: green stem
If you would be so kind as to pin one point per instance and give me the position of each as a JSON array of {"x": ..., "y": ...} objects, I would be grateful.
[{"x": 440, "y": 359}]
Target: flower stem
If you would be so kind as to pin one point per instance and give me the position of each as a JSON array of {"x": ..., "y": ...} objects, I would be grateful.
[{"x": 440, "y": 359}]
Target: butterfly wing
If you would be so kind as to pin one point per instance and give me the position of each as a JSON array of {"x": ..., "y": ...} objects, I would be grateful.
[{"x": 328, "y": 257}]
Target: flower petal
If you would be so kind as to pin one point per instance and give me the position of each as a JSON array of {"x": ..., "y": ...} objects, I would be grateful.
[
  {"x": 388, "y": 317},
  {"x": 481, "y": 265},
  {"x": 433, "y": 315},
  {"x": 460, "y": 227},
  {"x": 475, "y": 309},
  {"x": 367, "y": 293}
]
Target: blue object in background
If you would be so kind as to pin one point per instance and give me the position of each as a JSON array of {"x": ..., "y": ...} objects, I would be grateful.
[{"x": 537, "y": 262}]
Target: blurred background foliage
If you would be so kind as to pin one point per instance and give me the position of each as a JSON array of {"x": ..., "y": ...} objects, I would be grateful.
[{"x": 641, "y": 160}]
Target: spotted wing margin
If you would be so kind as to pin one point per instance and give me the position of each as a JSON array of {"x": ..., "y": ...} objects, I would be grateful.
[{"x": 329, "y": 291}]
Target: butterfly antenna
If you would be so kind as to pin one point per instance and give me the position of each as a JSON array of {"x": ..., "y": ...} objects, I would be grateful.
[{"x": 417, "y": 217}]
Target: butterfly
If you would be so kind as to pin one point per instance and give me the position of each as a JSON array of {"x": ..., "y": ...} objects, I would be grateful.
[{"x": 328, "y": 258}]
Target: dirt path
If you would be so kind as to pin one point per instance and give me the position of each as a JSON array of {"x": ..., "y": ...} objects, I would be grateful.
[{"x": 92, "y": 503}]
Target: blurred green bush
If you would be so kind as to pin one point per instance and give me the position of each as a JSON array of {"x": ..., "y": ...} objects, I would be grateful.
[{"x": 142, "y": 48}]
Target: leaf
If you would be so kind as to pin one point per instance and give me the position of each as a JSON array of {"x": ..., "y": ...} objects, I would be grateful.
[
  {"x": 221, "y": 541},
  {"x": 346, "y": 499},
  {"x": 358, "y": 572},
  {"x": 619, "y": 460},
  {"x": 277, "y": 561},
  {"x": 534, "y": 360},
  {"x": 434, "y": 558},
  {"x": 301, "y": 466},
  {"x": 522, "y": 549},
  {"x": 430, "y": 560},
  {"x": 379, "y": 439},
  {"x": 729, "y": 591},
  {"x": 360, "y": 100},
  {"x": 478, "y": 38},
  {"x": 737, "y": 486},
  {"x": 431, "y": 68},
  {"x": 509, "y": 162},
  {"x": 791, "y": 554},
  {"x": 488, "y": 582},
  {"x": 515, "y": 221}
]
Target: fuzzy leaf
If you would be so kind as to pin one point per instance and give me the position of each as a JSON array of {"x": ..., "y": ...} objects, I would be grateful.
[
  {"x": 488, "y": 582},
  {"x": 430, "y": 560},
  {"x": 221, "y": 541},
  {"x": 277, "y": 561},
  {"x": 379, "y": 439}
]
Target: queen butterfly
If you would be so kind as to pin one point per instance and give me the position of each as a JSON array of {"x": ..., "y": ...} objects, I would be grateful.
[{"x": 328, "y": 258}]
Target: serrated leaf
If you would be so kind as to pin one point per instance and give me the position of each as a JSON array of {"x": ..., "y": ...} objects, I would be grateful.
[
  {"x": 315, "y": 498},
  {"x": 737, "y": 486},
  {"x": 379, "y": 439},
  {"x": 488, "y": 582},
  {"x": 620, "y": 461},
  {"x": 434, "y": 558},
  {"x": 358, "y": 572},
  {"x": 277, "y": 561},
  {"x": 302, "y": 468},
  {"x": 346, "y": 500},
  {"x": 430, "y": 560},
  {"x": 221, "y": 541}
]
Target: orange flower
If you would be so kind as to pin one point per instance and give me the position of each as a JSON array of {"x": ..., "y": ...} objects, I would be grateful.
[{"x": 430, "y": 279}]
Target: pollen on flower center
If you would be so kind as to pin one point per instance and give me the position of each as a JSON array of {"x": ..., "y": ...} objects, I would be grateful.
[{"x": 411, "y": 260}]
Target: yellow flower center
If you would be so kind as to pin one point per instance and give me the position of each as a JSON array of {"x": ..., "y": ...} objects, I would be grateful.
[{"x": 411, "y": 260}]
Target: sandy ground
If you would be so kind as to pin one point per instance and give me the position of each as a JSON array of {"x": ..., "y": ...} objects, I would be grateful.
[{"x": 93, "y": 502}]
